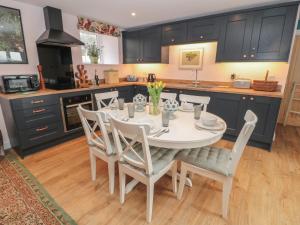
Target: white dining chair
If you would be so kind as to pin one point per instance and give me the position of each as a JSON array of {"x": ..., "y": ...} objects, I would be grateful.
[
  {"x": 100, "y": 145},
  {"x": 168, "y": 95},
  {"x": 103, "y": 98},
  {"x": 204, "y": 100},
  {"x": 137, "y": 159},
  {"x": 217, "y": 163}
]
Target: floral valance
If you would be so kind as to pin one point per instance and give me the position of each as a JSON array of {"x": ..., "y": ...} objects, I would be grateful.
[{"x": 98, "y": 27}]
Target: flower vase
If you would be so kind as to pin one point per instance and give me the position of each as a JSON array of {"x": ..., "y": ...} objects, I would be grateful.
[
  {"x": 94, "y": 60},
  {"x": 154, "y": 108}
]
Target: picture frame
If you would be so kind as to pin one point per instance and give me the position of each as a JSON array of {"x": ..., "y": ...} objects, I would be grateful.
[
  {"x": 12, "y": 42},
  {"x": 191, "y": 58}
]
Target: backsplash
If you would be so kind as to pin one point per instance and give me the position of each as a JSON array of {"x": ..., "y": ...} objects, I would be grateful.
[{"x": 212, "y": 71}]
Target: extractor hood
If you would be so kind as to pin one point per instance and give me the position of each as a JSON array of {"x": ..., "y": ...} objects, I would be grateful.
[{"x": 54, "y": 34}]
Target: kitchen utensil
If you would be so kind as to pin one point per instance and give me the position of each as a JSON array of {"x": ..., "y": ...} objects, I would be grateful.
[{"x": 151, "y": 77}]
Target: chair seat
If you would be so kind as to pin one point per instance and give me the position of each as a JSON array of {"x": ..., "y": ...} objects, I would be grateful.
[
  {"x": 210, "y": 158},
  {"x": 161, "y": 157},
  {"x": 112, "y": 142}
]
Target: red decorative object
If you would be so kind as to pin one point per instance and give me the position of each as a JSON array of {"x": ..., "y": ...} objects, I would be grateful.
[
  {"x": 42, "y": 80},
  {"x": 98, "y": 27},
  {"x": 81, "y": 75}
]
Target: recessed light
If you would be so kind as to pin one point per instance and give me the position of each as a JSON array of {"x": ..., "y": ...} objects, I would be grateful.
[{"x": 133, "y": 14}]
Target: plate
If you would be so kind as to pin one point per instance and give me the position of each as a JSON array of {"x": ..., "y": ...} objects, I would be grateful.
[
  {"x": 218, "y": 127},
  {"x": 180, "y": 108},
  {"x": 154, "y": 128}
]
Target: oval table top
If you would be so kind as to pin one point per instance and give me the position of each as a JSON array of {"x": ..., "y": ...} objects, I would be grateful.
[{"x": 182, "y": 130}]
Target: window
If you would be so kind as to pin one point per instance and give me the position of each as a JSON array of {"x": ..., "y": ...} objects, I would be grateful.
[{"x": 108, "y": 47}]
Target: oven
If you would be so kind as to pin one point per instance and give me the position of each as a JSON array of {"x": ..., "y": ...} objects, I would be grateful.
[{"x": 71, "y": 120}]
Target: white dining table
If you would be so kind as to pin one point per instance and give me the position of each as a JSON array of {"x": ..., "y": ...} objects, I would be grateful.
[{"x": 182, "y": 132}]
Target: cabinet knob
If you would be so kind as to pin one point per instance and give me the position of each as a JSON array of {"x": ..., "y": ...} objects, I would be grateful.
[
  {"x": 180, "y": 92},
  {"x": 137, "y": 60},
  {"x": 173, "y": 39},
  {"x": 201, "y": 37},
  {"x": 244, "y": 98},
  {"x": 252, "y": 55},
  {"x": 251, "y": 98},
  {"x": 244, "y": 56},
  {"x": 253, "y": 48}
]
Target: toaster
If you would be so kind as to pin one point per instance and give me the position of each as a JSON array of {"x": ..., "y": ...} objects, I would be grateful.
[{"x": 242, "y": 83}]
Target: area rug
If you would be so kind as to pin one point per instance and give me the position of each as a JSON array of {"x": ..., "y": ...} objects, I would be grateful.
[{"x": 23, "y": 200}]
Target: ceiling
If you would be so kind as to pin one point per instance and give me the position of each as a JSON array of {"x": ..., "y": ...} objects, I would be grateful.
[{"x": 118, "y": 12}]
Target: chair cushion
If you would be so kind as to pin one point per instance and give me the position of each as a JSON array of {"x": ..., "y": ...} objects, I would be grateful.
[
  {"x": 112, "y": 142},
  {"x": 211, "y": 158},
  {"x": 161, "y": 157}
]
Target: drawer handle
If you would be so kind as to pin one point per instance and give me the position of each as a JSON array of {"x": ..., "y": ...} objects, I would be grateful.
[
  {"x": 41, "y": 129},
  {"x": 38, "y": 110},
  {"x": 37, "y": 102}
]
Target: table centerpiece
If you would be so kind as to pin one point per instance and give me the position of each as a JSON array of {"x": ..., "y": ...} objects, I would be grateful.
[{"x": 154, "y": 90}]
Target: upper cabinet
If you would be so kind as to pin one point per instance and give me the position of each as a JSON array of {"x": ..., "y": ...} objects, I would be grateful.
[
  {"x": 175, "y": 33},
  {"x": 263, "y": 35},
  {"x": 203, "y": 30},
  {"x": 143, "y": 46},
  {"x": 260, "y": 34}
]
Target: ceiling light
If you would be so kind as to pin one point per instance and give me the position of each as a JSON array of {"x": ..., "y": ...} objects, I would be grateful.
[{"x": 133, "y": 14}]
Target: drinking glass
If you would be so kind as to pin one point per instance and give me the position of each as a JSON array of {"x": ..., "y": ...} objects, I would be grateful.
[
  {"x": 130, "y": 107},
  {"x": 197, "y": 111},
  {"x": 165, "y": 117},
  {"x": 121, "y": 103}
]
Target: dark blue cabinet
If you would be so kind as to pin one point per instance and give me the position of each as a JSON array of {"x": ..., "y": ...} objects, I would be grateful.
[
  {"x": 144, "y": 46},
  {"x": 175, "y": 33},
  {"x": 262, "y": 35}
]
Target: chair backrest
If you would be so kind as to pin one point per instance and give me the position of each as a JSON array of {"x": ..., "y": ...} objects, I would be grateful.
[
  {"x": 129, "y": 152},
  {"x": 110, "y": 97},
  {"x": 168, "y": 95},
  {"x": 91, "y": 120},
  {"x": 204, "y": 100},
  {"x": 243, "y": 138}
]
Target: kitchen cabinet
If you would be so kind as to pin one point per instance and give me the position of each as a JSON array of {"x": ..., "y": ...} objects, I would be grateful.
[
  {"x": 262, "y": 35},
  {"x": 140, "y": 90},
  {"x": 144, "y": 46},
  {"x": 175, "y": 33},
  {"x": 203, "y": 30},
  {"x": 272, "y": 34}
]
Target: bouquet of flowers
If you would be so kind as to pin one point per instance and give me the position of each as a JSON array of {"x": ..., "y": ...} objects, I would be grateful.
[{"x": 154, "y": 90}]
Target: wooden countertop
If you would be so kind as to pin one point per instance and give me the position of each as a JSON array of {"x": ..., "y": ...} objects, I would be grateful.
[{"x": 222, "y": 89}]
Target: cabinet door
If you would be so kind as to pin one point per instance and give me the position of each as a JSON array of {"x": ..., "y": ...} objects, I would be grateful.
[
  {"x": 230, "y": 107},
  {"x": 174, "y": 33},
  {"x": 203, "y": 30},
  {"x": 141, "y": 90},
  {"x": 266, "y": 110},
  {"x": 235, "y": 37},
  {"x": 131, "y": 47},
  {"x": 151, "y": 45},
  {"x": 126, "y": 93},
  {"x": 272, "y": 34}
]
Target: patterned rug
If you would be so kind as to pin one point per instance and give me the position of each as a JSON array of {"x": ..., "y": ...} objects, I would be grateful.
[{"x": 23, "y": 200}]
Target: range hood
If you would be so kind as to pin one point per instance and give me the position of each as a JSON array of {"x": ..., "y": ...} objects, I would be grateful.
[{"x": 54, "y": 34}]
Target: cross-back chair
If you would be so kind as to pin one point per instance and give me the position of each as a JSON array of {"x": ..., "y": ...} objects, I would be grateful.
[
  {"x": 202, "y": 100},
  {"x": 106, "y": 99}
]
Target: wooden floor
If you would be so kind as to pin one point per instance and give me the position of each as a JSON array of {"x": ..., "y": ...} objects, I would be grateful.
[{"x": 266, "y": 188}]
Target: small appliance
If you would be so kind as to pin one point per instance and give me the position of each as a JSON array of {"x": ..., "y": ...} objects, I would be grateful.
[
  {"x": 242, "y": 83},
  {"x": 19, "y": 83},
  {"x": 151, "y": 77}
]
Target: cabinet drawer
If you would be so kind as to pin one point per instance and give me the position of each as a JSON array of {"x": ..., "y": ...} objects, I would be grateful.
[
  {"x": 40, "y": 134},
  {"x": 27, "y": 103}
]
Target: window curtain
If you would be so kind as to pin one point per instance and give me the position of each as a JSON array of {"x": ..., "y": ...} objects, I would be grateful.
[{"x": 98, "y": 27}]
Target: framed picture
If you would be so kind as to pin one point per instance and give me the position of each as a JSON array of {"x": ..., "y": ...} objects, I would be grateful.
[
  {"x": 12, "y": 44},
  {"x": 191, "y": 59}
]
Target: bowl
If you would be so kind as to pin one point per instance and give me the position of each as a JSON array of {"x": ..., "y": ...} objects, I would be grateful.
[{"x": 209, "y": 120}]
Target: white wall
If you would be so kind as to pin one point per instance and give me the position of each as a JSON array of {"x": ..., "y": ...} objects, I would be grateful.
[{"x": 33, "y": 27}]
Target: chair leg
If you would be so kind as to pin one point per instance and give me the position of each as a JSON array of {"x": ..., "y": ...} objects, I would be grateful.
[
  {"x": 150, "y": 192},
  {"x": 111, "y": 176},
  {"x": 182, "y": 180},
  {"x": 122, "y": 181},
  {"x": 174, "y": 177},
  {"x": 227, "y": 185},
  {"x": 93, "y": 165}
]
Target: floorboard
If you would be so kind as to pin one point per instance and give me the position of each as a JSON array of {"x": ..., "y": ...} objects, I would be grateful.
[{"x": 266, "y": 188}]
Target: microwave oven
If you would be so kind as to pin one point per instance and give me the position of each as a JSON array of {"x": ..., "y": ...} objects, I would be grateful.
[{"x": 19, "y": 83}]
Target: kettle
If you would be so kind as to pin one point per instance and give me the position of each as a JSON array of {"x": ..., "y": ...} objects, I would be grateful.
[{"x": 151, "y": 77}]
